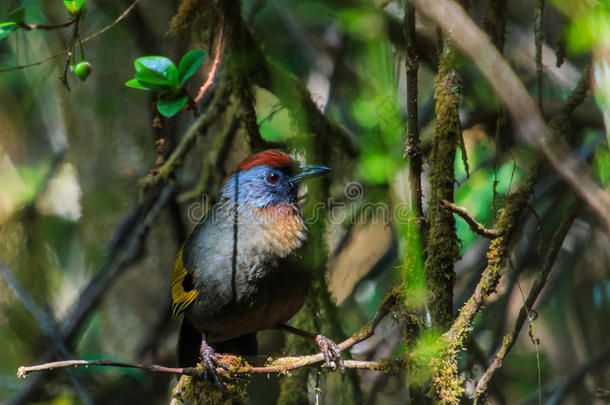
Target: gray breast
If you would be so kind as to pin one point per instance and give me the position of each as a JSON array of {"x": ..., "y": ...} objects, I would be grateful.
[{"x": 240, "y": 290}]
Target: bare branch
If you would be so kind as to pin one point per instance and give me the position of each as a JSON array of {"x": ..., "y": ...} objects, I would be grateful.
[
  {"x": 475, "y": 226},
  {"x": 206, "y": 85},
  {"x": 32, "y": 27}
]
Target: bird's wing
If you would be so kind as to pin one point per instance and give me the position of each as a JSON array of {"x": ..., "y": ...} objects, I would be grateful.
[{"x": 183, "y": 291}]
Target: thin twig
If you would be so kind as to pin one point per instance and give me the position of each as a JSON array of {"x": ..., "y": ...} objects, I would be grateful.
[
  {"x": 560, "y": 388},
  {"x": 475, "y": 226},
  {"x": 70, "y": 51},
  {"x": 206, "y": 85},
  {"x": 86, "y": 39},
  {"x": 32, "y": 27},
  {"x": 511, "y": 337},
  {"x": 238, "y": 365}
]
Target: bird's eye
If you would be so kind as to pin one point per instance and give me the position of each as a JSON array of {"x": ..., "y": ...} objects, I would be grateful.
[{"x": 273, "y": 178}]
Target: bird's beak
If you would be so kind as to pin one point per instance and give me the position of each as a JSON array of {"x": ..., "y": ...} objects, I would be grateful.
[{"x": 308, "y": 171}]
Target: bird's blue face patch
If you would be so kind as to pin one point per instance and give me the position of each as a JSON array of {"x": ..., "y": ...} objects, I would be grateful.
[{"x": 261, "y": 186}]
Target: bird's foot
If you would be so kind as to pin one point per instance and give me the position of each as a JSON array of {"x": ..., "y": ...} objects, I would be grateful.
[
  {"x": 331, "y": 352},
  {"x": 210, "y": 361}
]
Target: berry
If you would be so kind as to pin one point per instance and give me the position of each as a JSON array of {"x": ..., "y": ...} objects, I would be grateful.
[{"x": 82, "y": 70}]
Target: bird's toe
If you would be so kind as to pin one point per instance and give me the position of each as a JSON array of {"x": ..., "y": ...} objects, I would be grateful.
[
  {"x": 211, "y": 362},
  {"x": 331, "y": 352}
]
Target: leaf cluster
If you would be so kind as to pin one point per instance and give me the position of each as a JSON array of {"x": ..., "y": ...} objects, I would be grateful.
[{"x": 160, "y": 74}]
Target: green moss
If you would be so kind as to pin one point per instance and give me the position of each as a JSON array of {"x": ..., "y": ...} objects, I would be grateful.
[
  {"x": 363, "y": 332},
  {"x": 203, "y": 392},
  {"x": 442, "y": 247},
  {"x": 391, "y": 365}
]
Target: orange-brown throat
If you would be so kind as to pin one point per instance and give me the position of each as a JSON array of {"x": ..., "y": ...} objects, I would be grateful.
[{"x": 284, "y": 229}]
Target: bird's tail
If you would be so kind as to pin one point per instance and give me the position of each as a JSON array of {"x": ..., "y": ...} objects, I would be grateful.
[{"x": 189, "y": 343}]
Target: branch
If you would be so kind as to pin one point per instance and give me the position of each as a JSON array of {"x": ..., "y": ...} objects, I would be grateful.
[
  {"x": 46, "y": 323},
  {"x": 269, "y": 75},
  {"x": 239, "y": 366},
  {"x": 31, "y": 27},
  {"x": 217, "y": 106},
  {"x": 442, "y": 245},
  {"x": 215, "y": 155},
  {"x": 206, "y": 85},
  {"x": 475, "y": 226},
  {"x": 526, "y": 116},
  {"x": 446, "y": 379},
  {"x": 125, "y": 249},
  {"x": 413, "y": 145},
  {"x": 70, "y": 50},
  {"x": 511, "y": 337},
  {"x": 86, "y": 39}
]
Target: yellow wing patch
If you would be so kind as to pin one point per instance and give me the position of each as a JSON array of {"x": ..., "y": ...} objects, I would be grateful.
[{"x": 180, "y": 297}]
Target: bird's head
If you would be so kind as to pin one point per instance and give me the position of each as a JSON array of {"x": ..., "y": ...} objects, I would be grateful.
[{"x": 268, "y": 178}]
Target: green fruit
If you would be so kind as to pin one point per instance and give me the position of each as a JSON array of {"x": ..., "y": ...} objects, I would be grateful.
[{"x": 82, "y": 70}]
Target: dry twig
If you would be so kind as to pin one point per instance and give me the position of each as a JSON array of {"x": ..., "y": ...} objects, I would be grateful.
[{"x": 475, "y": 226}]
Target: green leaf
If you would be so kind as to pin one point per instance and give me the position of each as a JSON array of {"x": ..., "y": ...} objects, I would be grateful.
[
  {"x": 73, "y": 6},
  {"x": 6, "y": 28},
  {"x": 160, "y": 65},
  {"x": 155, "y": 81},
  {"x": 169, "y": 108},
  {"x": 135, "y": 84},
  {"x": 190, "y": 63},
  {"x": 18, "y": 13}
]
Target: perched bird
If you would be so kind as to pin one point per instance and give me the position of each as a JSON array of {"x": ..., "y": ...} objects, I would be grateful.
[{"x": 236, "y": 273}]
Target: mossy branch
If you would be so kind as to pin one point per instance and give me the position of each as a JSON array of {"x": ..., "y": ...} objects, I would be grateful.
[
  {"x": 511, "y": 337},
  {"x": 215, "y": 155},
  {"x": 446, "y": 380},
  {"x": 442, "y": 245},
  {"x": 526, "y": 116}
]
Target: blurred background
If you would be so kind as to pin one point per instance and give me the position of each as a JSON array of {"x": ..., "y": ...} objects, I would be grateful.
[{"x": 87, "y": 253}]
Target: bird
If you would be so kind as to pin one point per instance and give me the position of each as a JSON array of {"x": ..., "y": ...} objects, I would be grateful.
[{"x": 238, "y": 273}]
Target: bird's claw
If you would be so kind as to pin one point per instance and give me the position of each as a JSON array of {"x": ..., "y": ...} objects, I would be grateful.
[
  {"x": 331, "y": 352},
  {"x": 210, "y": 361}
]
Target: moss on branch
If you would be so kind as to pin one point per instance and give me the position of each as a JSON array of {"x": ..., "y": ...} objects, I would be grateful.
[{"x": 442, "y": 246}]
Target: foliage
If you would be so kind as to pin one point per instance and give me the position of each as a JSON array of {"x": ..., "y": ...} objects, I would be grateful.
[{"x": 158, "y": 73}]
